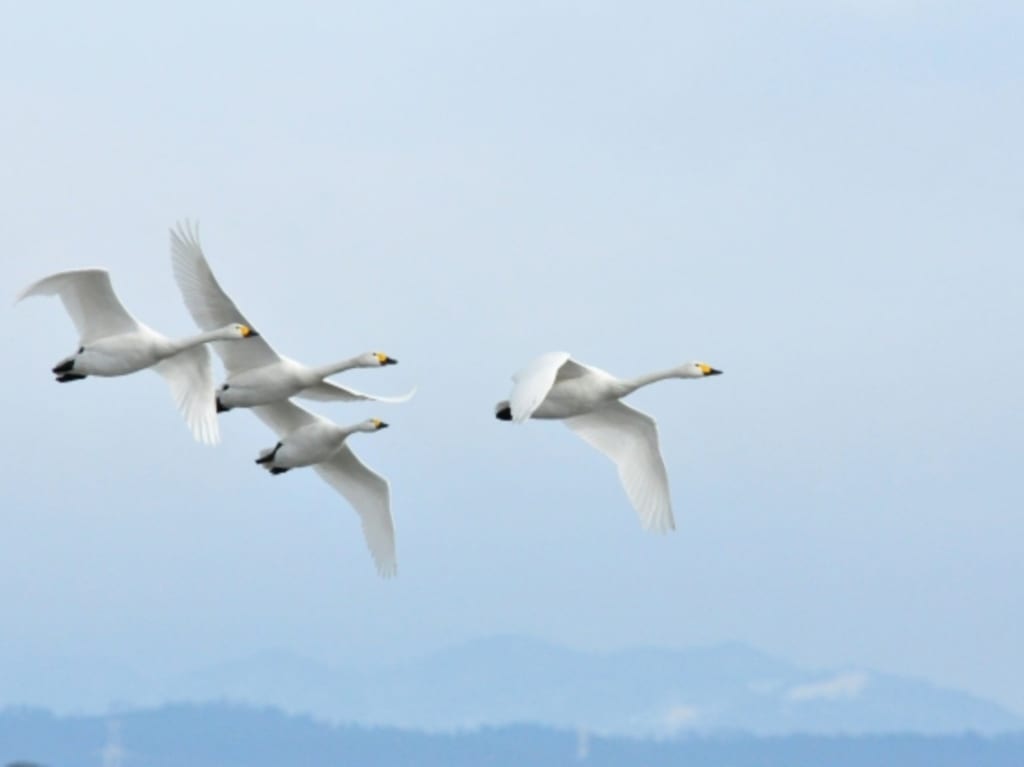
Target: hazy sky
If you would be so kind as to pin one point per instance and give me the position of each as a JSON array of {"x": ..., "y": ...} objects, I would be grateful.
[{"x": 823, "y": 199}]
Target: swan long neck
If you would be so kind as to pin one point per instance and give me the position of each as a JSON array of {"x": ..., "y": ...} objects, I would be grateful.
[
  {"x": 336, "y": 367},
  {"x": 630, "y": 385},
  {"x": 344, "y": 432},
  {"x": 181, "y": 344}
]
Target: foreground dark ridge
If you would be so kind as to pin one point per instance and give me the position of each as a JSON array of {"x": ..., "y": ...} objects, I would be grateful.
[{"x": 232, "y": 736}]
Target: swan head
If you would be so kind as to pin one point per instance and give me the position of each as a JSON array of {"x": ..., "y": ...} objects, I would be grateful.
[
  {"x": 238, "y": 330},
  {"x": 369, "y": 425},
  {"x": 375, "y": 360},
  {"x": 699, "y": 370}
]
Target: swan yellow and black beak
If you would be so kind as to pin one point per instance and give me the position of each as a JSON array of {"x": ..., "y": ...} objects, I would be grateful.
[
  {"x": 379, "y": 424},
  {"x": 707, "y": 370},
  {"x": 248, "y": 332},
  {"x": 384, "y": 359}
]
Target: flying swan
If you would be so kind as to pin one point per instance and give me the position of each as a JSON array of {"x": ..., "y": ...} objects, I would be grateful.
[
  {"x": 257, "y": 375},
  {"x": 586, "y": 399},
  {"x": 306, "y": 439},
  {"x": 113, "y": 343}
]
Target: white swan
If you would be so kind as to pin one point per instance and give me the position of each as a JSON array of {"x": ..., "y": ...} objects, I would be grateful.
[
  {"x": 257, "y": 375},
  {"x": 306, "y": 439},
  {"x": 113, "y": 343},
  {"x": 587, "y": 399}
]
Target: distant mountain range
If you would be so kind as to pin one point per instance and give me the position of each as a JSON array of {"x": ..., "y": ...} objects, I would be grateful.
[{"x": 640, "y": 692}]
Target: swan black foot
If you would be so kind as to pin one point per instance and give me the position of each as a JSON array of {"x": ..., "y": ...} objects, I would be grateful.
[
  {"x": 278, "y": 470},
  {"x": 67, "y": 377},
  {"x": 221, "y": 408},
  {"x": 65, "y": 367},
  {"x": 270, "y": 455},
  {"x": 504, "y": 414}
]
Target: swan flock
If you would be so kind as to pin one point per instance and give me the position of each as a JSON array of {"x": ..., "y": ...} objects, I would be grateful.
[{"x": 111, "y": 342}]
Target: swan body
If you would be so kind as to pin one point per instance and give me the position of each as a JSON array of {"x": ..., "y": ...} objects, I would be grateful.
[
  {"x": 286, "y": 378},
  {"x": 587, "y": 400},
  {"x": 113, "y": 343},
  {"x": 257, "y": 375},
  {"x": 306, "y": 439}
]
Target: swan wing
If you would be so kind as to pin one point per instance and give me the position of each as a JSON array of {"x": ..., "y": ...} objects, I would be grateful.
[
  {"x": 190, "y": 376},
  {"x": 531, "y": 384},
  {"x": 327, "y": 391},
  {"x": 89, "y": 298},
  {"x": 210, "y": 306},
  {"x": 284, "y": 416},
  {"x": 370, "y": 496},
  {"x": 630, "y": 439}
]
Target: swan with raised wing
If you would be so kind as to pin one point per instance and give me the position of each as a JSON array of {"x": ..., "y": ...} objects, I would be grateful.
[
  {"x": 588, "y": 401},
  {"x": 257, "y": 375}
]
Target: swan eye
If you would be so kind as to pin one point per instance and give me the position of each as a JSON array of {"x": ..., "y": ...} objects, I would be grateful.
[{"x": 224, "y": 387}]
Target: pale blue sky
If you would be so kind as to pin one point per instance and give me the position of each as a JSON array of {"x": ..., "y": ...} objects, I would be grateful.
[{"x": 823, "y": 199}]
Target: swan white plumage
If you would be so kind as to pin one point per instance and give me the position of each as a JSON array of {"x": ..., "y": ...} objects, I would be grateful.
[
  {"x": 113, "y": 343},
  {"x": 587, "y": 400},
  {"x": 257, "y": 375},
  {"x": 306, "y": 439}
]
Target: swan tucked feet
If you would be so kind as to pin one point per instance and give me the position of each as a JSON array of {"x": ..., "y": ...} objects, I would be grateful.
[{"x": 65, "y": 367}]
